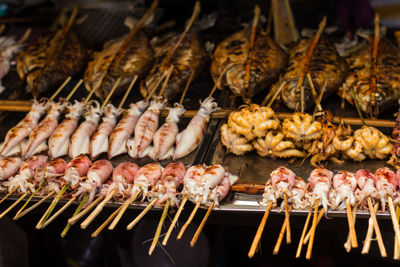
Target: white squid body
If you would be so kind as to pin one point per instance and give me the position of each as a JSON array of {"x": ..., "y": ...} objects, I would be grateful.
[
  {"x": 320, "y": 181},
  {"x": 192, "y": 181},
  {"x": 189, "y": 139},
  {"x": 298, "y": 193},
  {"x": 8, "y": 48},
  {"x": 59, "y": 140},
  {"x": 145, "y": 129},
  {"x": 366, "y": 183},
  {"x": 164, "y": 138},
  {"x": 9, "y": 167},
  {"x": 125, "y": 128},
  {"x": 344, "y": 184},
  {"x": 44, "y": 130},
  {"x": 99, "y": 141},
  {"x": 222, "y": 190},
  {"x": 79, "y": 142},
  {"x": 213, "y": 176}
]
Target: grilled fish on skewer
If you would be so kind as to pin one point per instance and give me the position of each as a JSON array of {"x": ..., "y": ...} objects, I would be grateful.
[
  {"x": 325, "y": 65},
  {"x": 125, "y": 128},
  {"x": 19, "y": 132},
  {"x": 76, "y": 168},
  {"x": 145, "y": 128},
  {"x": 99, "y": 141},
  {"x": 189, "y": 57},
  {"x": 387, "y": 76},
  {"x": 189, "y": 139},
  {"x": 135, "y": 60},
  {"x": 79, "y": 142},
  {"x": 164, "y": 138},
  {"x": 25, "y": 175},
  {"x": 97, "y": 175},
  {"x": 50, "y": 61},
  {"x": 51, "y": 172},
  {"x": 230, "y": 56},
  {"x": 45, "y": 128},
  {"x": 9, "y": 167}
]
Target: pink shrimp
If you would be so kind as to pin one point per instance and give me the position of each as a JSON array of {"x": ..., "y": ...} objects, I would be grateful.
[
  {"x": 51, "y": 172},
  {"x": 19, "y": 132},
  {"x": 59, "y": 140},
  {"x": 189, "y": 139},
  {"x": 9, "y": 167},
  {"x": 145, "y": 128},
  {"x": 386, "y": 184},
  {"x": 76, "y": 168},
  {"x": 125, "y": 128},
  {"x": 45, "y": 128},
  {"x": 25, "y": 174},
  {"x": 79, "y": 142}
]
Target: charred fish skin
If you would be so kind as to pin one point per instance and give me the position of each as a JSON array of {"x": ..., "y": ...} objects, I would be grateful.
[
  {"x": 68, "y": 61},
  {"x": 387, "y": 76},
  {"x": 325, "y": 65},
  {"x": 189, "y": 57},
  {"x": 103, "y": 71},
  {"x": 268, "y": 61}
]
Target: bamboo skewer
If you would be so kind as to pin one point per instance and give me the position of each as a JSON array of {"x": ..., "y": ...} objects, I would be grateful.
[
  {"x": 299, "y": 247},
  {"x": 293, "y": 30},
  {"x": 9, "y": 193},
  {"x": 271, "y": 101},
  {"x": 314, "y": 93},
  {"x": 347, "y": 245},
  {"x": 352, "y": 230},
  {"x": 281, "y": 234},
  {"x": 141, "y": 215},
  {"x": 174, "y": 221},
  {"x": 127, "y": 92},
  {"x": 62, "y": 86},
  {"x": 189, "y": 220},
  {"x": 395, "y": 222},
  {"x": 123, "y": 209},
  {"x": 186, "y": 88},
  {"x": 159, "y": 227},
  {"x": 101, "y": 227},
  {"x": 370, "y": 232},
  {"x": 381, "y": 245},
  {"x": 218, "y": 81},
  {"x": 13, "y": 205},
  {"x": 396, "y": 255},
  {"x": 260, "y": 230},
  {"x": 320, "y": 215},
  {"x": 82, "y": 213},
  {"x": 169, "y": 72},
  {"x": 110, "y": 93},
  {"x": 18, "y": 215},
  {"x": 201, "y": 226},
  {"x": 33, "y": 206},
  {"x": 153, "y": 90},
  {"x": 287, "y": 217},
  {"x": 76, "y": 87},
  {"x": 97, "y": 210},
  {"x": 61, "y": 210},
  {"x": 374, "y": 63},
  {"x": 313, "y": 228},
  {"x": 78, "y": 209}
]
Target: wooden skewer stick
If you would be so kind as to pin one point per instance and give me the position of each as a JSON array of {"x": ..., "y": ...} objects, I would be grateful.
[
  {"x": 78, "y": 209},
  {"x": 353, "y": 95},
  {"x": 190, "y": 219},
  {"x": 218, "y": 82},
  {"x": 51, "y": 207},
  {"x": 9, "y": 193},
  {"x": 396, "y": 255},
  {"x": 76, "y": 87},
  {"x": 123, "y": 209},
  {"x": 101, "y": 227},
  {"x": 186, "y": 87},
  {"x": 159, "y": 227},
  {"x": 395, "y": 222},
  {"x": 13, "y": 205},
  {"x": 24, "y": 37},
  {"x": 320, "y": 215},
  {"x": 127, "y": 92},
  {"x": 313, "y": 228},
  {"x": 281, "y": 234},
  {"x": 352, "y": 230},
  {"x": 82, "y": 213},
  {"x": 58, "y": 213},
  {"x": 176, "y": 217},
  {"x": 381, "y": 245},
  {"x": 293, "y": 30},
  {"x": 271, "y": 101},
  {"x": 287, "y": 216},
  {"x": 110, "y": 93},
  {"x": 17, "y": 215},
  {"x": 201, "y": 226},
  {"x": 89, "y": 95},
  {"x": 141, "y": 215},
  {"x": 97, "y": 210},
  {"x": 33, "y": 206},
  {"x": 314, "y": 93},
  {"x": 260, "y": 230},
  {"x": 169, "y": 72},
  {"x": 62, "y": 86},
  {"x": 347, "y": 245},
  {"x": 374, "y": 62},
  {"x": 249, "y": 58},
  {"x": 370, "y": 232},
  {"x": 153, "y": 90},
  {"x": 299, "y": 247},
  {"x": 321, "y": 94}
]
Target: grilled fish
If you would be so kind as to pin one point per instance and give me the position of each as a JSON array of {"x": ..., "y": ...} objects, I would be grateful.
[
  {"x": 325, "y": 65},
  {"x": 50, "y": 60},
  {"x": 103, "y": 71},
  {"x": 189, "y": 57},
  {"x": 229, "y": 58},
  {"x": 387, "y": 77}
]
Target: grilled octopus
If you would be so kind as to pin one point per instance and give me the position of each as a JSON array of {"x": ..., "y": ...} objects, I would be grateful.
[
  {"x": 387, "y": 77},
  {"x": 189, "y": 57},
  {"x": 229, "y": 61},
  {"x": 325, "y": 65}
]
